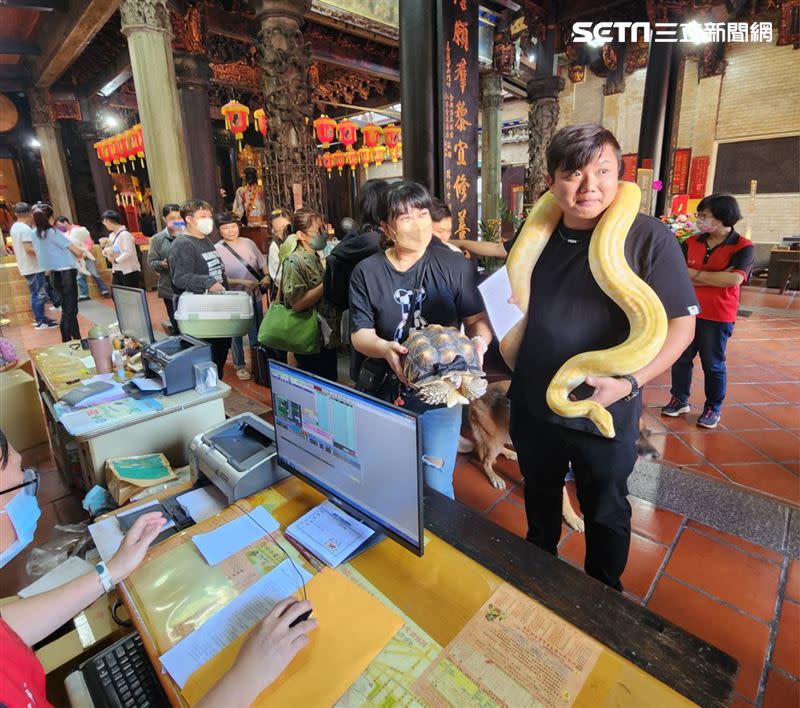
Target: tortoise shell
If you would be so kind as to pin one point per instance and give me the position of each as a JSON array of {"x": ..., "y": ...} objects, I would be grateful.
[{"x": 436, "y": 351}]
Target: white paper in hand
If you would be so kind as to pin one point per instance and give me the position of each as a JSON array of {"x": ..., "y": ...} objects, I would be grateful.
[{"x": 496, "y": 290}]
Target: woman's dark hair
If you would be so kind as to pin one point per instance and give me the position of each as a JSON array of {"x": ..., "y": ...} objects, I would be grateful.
[
  {"x": 169, "y": 208},
  {"x": 191, "y": 207},
  {"x": 3, "y": 449},
  {"x": 403, "y": 196},
  {"x": 303, "y": 218},
  {"x": 111, "y": 215},
  {"x": 368, "y": 208},
  {"x": 227, "y": 217},
  {"x": 439, "y": 210},
  {"x": 62, "y": 220},
  {"x": 723, "y": 207},
  {"x": 576, "y": 145},
  {"x": 41, "y": 218}
]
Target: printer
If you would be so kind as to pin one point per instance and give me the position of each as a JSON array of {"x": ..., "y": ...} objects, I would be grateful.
[
  {"x": 173, "y": 359},
  {"x": 238, "y": 456}
]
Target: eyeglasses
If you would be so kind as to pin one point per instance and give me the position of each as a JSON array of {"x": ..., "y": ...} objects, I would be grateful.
[{"x": 30, "y": 482}]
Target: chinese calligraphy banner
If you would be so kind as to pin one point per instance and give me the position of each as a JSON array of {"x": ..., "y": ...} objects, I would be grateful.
[
  {"x": 698, "y": 174},
  {"x": 680, "y": 170},
  {"x": 629, "y": 164},
  {"x": 459, "y": 113}
]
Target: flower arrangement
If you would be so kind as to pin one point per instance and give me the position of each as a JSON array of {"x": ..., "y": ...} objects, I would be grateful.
[{"x": 680, "y": 225}]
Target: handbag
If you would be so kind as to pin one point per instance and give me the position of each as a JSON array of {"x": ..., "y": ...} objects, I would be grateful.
[
  {"x": 257, "y": 274},
  {"x": 375, "y": 375},
  {"x": 289, "y": 331}
]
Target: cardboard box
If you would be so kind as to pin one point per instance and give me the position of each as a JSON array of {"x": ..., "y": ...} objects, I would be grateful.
[{"x": 21, "y": 416}]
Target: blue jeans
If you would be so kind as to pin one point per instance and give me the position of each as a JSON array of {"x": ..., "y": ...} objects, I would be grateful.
[
  {"x": 237, "y": 343},
  {"x": 83, "y": 286},
  {"x": 37, "y": 284},
  {"x": 710, "y": 341},
  {"x": 440, "y": 430}
]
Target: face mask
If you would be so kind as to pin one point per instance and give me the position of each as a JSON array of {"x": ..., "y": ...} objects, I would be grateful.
[
  {"x": 205, "y": 225},
  {"x": 705, "y": 226},
  {"x": 24, "y": 512},
  {"x": 413, "y": 235},
  {"x": 318, "y": 241},
  {"x": 176, "y": 225},
  {"x": 62, "y": 228}
]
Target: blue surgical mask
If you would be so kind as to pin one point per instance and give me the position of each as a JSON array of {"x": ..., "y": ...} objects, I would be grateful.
[
  {"x": 319, "y": 240},
  {"x": 24, "y": 512}
]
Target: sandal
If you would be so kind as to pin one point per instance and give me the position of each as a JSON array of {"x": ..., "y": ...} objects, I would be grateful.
[{"x": 243, "y": 374}]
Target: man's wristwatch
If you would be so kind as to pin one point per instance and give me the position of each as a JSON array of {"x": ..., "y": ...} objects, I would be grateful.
[
  {"x": 105, "y": 577},
  {"x": 634, "y": 386}
]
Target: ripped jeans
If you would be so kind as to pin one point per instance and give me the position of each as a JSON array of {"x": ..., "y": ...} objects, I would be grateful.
[{"x": 440, "y": 431}]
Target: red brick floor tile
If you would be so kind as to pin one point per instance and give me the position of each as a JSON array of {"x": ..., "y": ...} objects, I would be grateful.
[
  {"x": 510, "y": 516},
  {"x": 789, "y": 391},
  {"x": 655, "y": 396},
  {"x": 792, "y": 466},
  {"x": 721, "y": 447},
  {"x": 673, "y": 449},
  {"x": 782, "y": 691},
  {"x": 785, "y": 414},
  {"x": 737, "y": 701},
  {"x": 743, "y": 637},
  {"x": 750, "y": 393},
  {"x": 706, "y": 469},
  {"x": 657, "y": 524},
  {"x": 742, "y": 418},
  {"x": 686, "y": 423},
  {"x": 793, "y": 581},
  {"x": 573, "y": 549},
  {"x": 472, "y": 488},
  {"x": 777, "y": 444},
  {"x": 749, "y": 583},
  {"x": 768, "y": 477},
  {"x": 644, "y": 560},
  {"x": 654, "y": 422},
  {"x": 745, "y": 545},
  {"x": 786, "y": 654}
]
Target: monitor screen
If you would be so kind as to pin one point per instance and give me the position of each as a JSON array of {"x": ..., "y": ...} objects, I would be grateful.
[
  {"x": 133, "y": 314},
  {"x": 362, "y": 453}
]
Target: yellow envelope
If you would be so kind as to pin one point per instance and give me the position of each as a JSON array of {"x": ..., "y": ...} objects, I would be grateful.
[{"x": 353, "y": 628}]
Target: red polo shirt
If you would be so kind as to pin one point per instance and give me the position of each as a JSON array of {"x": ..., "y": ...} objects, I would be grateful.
[
  {"x": 735, "y": 255},
  {"x": 22, "y": 681}
]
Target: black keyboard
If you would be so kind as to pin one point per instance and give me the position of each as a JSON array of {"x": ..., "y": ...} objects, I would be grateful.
[{"x": 122, "y": 676}]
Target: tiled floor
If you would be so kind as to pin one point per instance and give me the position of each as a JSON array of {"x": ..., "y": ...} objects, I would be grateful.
[{"x": 737, "y": 595}]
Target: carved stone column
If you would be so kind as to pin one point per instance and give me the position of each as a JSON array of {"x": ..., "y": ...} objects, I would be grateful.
[
  {"x": 292, "y": 175},
  {"x": 542, "y": 121},
  {"x": 194, "y": 79},
  {"x": 146, "y": 25},
  {"x": 491, "y": 125},
  {"x": 48, "y": 134}
]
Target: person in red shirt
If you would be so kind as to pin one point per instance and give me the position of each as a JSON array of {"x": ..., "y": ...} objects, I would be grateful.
[
  {"x": 264, "y": 655},
  {"x": 719, "y": 261}
]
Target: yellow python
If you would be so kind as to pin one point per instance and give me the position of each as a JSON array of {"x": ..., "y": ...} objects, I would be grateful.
[{"x": 645, "y": 313}]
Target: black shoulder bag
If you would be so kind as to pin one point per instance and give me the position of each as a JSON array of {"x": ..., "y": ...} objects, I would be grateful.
[{"x": 376, "y": 376}]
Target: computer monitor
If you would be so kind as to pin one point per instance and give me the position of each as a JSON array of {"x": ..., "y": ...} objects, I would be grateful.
[
  {"x": 362, "y": 453},
  {"x": 133, "y": 314}
]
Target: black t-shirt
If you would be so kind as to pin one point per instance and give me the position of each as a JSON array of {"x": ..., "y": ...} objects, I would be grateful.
[
  {"x": 569, "y": 314},
  {"x": 195, "y": 265},
  {"x": 381, "y": 296}
]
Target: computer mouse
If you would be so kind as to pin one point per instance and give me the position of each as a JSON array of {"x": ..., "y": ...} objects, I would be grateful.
[{"x": 301, "y": 618}]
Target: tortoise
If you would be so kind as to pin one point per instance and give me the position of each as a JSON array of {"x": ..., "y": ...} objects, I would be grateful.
[{"x": 443, "y": 365}]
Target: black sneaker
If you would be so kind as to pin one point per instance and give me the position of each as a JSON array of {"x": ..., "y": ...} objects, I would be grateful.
[
  {"x": 675, "y": 407},
  {"x": 709, "y": 419},
  {"x": 47, "y": 324}
]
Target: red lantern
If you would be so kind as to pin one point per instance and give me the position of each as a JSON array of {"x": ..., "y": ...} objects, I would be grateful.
[
  {"x": 138, "y": 142},
  {"x": 391, "y": 135},
  {"x": 351, "y": 158},
  {"x": 378, "y": 154},
  {"x": 396, "y": 152},
  {"x": 121, "y": 147},
  {"x": 339, "y": 158},
  {"x": 130, "y": 148},
  {"x": 365, "y": 155},
  {"x": 327, "y": 162},
  {"x": 237, "y": 118},
  {"x": 371, "y": 134},
  {"x": 325, "y": 128},
  {"x": 347, "y": 132},
  {"x": 260, "y": 119},
  {"x": 103, "y": 148}
]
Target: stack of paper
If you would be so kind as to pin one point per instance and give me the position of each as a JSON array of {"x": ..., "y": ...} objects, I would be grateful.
[
  {"x": 235, "y": 535},
  {"x": 329, "y": 533},
  {"x": 203, "y": 503}
]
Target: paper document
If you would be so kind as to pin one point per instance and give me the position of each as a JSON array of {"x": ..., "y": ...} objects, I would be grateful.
[
  {"x": 232, "y": 621},
  {"x": 229, "y": 538},
  {"x": 107, "y": 534},
  {"x": 513, "y": 652},
  {"x": 82, "y": 421},
  {"x": 70, "y": 569},
  {"x": 202, "y": 503},
  {"x": 148, "y": 384},
  {"x": 496, "y": 290},
  {"x": 329, "y": 533}
]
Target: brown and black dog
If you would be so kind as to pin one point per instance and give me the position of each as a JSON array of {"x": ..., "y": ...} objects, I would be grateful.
[{"x": 490, "y": 418}]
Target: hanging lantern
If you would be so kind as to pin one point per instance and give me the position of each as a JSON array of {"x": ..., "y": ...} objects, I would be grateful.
[
  {"x": 237, "y": 118},
  {"x": 260, "y": 119},
  {"x": 113, "y": 151},
  {"x": 371, "y": 134},
  {"x": 347, "y": 132},
  {"x": 325, "y": 128},
  {"x": 103, "y": 148},
  {"x": 351, "y": 158},
  {"x": 130, "y": 145},
  {"x": 327, "y": 162},
  {"x": 138, "y": 142},
  {"x": 339, "y": 158},
  {"x": 365, "y": 155},
  {"x": 378, "y": 154},
  {"x": 396, "y": 152},
  {"x": 391, "y": 135}
]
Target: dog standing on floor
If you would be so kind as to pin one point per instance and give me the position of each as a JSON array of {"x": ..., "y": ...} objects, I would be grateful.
[{"x": 490, "y": 417}]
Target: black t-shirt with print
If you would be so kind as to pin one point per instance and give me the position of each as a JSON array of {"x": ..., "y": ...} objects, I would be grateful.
[
  {"x": 381, "y": 296},
  {"x": 568, "y": 313}
]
